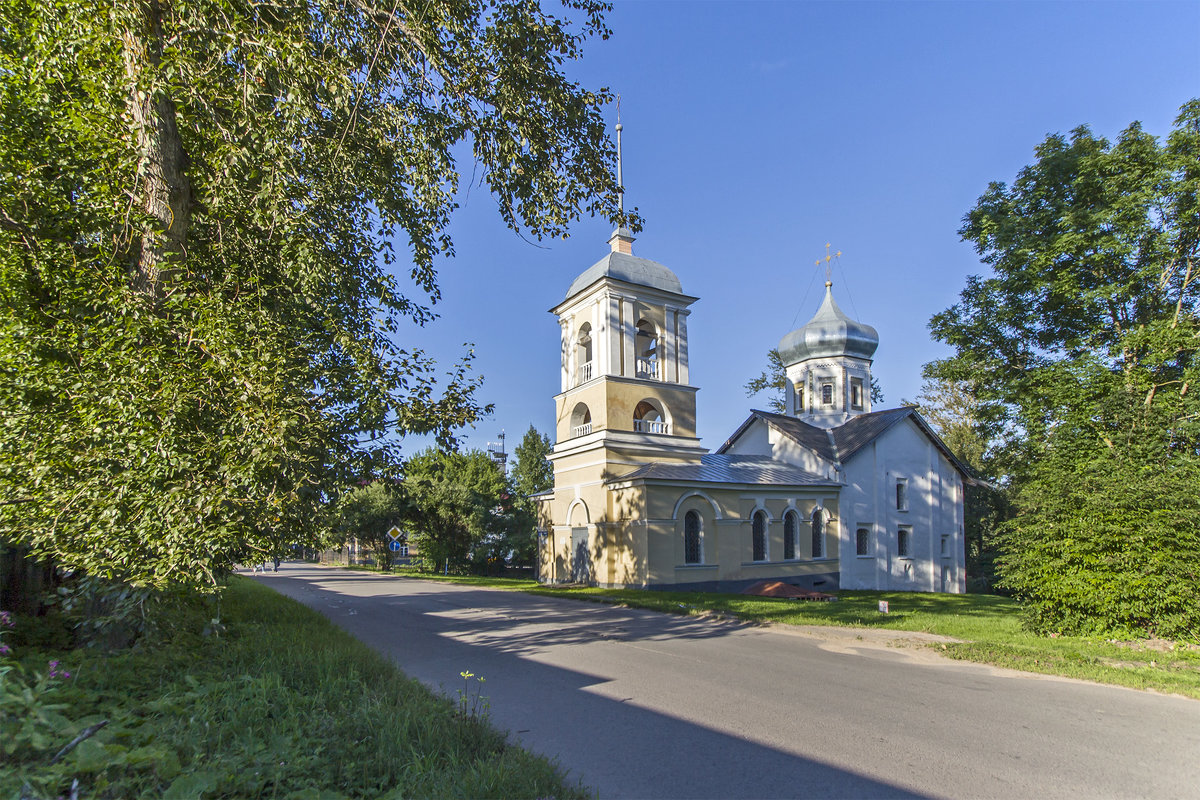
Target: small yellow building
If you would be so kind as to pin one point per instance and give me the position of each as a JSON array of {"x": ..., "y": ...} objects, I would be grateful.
[{"x": 829, "y": 495}]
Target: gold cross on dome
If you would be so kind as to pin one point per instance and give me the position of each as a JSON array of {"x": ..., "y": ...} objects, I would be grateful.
[{"x": 828, "y": 257}]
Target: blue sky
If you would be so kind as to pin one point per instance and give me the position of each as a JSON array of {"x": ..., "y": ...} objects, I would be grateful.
[{"x": 755, "y": 132}]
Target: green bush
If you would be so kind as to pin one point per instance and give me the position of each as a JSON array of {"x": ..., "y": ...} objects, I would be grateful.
[{"x": 1108, "y": 546}]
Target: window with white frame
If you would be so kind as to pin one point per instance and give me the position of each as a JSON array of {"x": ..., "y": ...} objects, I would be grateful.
[
  {"x": 862, "y": 542},
  {"x": 827, "y": 394},
  {"x": 902, "y": 494},
  {"x": 791, "y": 526},
  {"x": 758, "y": 535},
  {"x": 856, "y": 393},
  {"x": 693, "y": 550},
  {"x": 904, "y": 542}
]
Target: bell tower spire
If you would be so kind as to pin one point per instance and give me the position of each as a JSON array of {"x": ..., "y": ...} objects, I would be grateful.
[{"x": 621, "y": 240}]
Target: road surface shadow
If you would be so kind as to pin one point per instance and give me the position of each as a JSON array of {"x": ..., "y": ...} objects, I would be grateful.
[{"x": 610, "y": 744}]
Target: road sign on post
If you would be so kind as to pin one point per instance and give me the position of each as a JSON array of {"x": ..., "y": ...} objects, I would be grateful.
[{"x": 394, "y": 546}]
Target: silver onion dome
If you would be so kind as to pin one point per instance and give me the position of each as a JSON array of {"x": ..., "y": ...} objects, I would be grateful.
[{"x": 829, "y": 333}]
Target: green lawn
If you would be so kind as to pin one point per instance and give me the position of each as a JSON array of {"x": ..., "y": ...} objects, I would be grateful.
[
  {"x": 281, "y": 704},
  {"x": 988, "y": 625}
]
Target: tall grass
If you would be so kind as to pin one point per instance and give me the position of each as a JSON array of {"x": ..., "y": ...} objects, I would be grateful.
[{"x": 280, "y": 704}]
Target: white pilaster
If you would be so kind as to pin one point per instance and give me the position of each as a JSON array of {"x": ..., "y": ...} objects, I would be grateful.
[
  {"x": 670, "y": 337},
  {"x": 601, "y": 351},
  {"x": 565, "y": 324},
  {"x": 681, "y": 350},
  {"x": 628, "y": 339}
]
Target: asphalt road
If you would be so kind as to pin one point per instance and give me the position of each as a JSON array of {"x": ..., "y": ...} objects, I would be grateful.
[{"x": 643, "y": 705}]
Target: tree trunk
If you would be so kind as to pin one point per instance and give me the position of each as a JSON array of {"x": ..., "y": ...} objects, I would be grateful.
[{"x": 166, "y": 193}]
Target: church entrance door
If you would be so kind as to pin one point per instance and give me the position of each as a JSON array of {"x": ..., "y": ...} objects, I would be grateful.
[{"x": 581, "y": 562}]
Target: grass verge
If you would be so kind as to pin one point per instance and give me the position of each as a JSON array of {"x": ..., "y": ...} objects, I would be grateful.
[
  {"x": 988, "y": 625},
  {"x": 280, "y": 704}
]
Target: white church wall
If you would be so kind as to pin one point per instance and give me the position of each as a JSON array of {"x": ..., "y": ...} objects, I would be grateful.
[
  {"x": 754, "y": 441},
  {"x": 929, "y": 509}
]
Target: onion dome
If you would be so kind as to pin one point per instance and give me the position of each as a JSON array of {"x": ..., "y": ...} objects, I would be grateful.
[{"x": 830, "y": 333}]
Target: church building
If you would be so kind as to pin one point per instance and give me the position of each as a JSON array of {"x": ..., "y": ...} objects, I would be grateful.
[{"x": 831, "y": 494}]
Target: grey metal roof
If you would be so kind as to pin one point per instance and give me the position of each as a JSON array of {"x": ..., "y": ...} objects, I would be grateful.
[
  {"x": 857, "y": 432},
  {"x": 807, "y": 436},
  {"x": 631, "y": 269},
  {"x": 842, "y": 443},
  {"x": 829, "y": 333},
  {"x": 723, "y": 468}
]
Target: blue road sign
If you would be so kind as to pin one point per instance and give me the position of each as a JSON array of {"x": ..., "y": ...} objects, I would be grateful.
[{"x": 394, "y": 546}]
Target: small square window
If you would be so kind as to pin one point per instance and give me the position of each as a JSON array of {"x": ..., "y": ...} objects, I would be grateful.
[
  {"x": 862, "y": 542},
  {"x": 904, "y": 542}
]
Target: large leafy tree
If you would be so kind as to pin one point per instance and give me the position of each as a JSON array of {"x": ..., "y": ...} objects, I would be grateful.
[
  {"x": 459, "y": 507},
  {"x": 531, "y": 473},
  {"x": 203, "y": 207},
  {"x": 368, "y": 513},
  {"x": 1082, "y": 350}
]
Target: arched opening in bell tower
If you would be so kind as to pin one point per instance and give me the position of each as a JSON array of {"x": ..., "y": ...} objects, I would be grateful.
[
  {"x": 583, "y": 354},
  {"x": 646, "y": 346},
  {"x": 650, "y": 417},
  {"x": 581, "y": 420}
]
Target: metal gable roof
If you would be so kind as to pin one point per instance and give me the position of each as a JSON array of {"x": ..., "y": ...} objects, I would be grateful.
[
  {"x": 857, "y": 432},
  {"x": 807, "y": 436},
  {"x": 842, "y": 443},
  {"x": 723, "y": 468}
]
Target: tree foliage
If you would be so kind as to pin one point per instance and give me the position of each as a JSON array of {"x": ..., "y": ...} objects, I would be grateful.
[
  {"x": 1082, "y": 350},
  {"x": 460, "y": 511},
  {"x": 532, "y": 473},
  {"x": 203, "y": 208},
  {"x": 367, "y": 513}
]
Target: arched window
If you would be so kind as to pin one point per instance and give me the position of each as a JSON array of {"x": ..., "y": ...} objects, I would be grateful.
[
  {"x": 648, "y": 418},
  {"x": 758, "y": 526},
  {"x": 583, "y": 354},
  {"x": 791, "y": 526},
  {"x": 646, "y": 347},
  {"x": 693, "y": 552},
  {"x": 818, "y": 533},
  {"x": 581, "y": 420}
]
